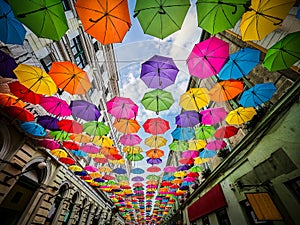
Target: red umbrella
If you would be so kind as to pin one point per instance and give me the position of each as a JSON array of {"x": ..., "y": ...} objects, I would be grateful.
[
  {"x": 153, "y": 169},
  {"x": 138, "y": 184},
  {"x": 70, "y": 126},
  {"x": 186, "y": 161},
  {"x": 156, "y": 126},
  {"x": 226, "y": 132},
  {"x": 70, "y": 145},
  {"x": 67, "y": 160},
  {"x": 100, "y": 160},
  {"x": 108, "y": 177},
  {"x": 165, "y": 183},
  {"x": 55, "y": 106},
  {"x": 18, "y": 113},
  {"x": 24, "y": 93}
]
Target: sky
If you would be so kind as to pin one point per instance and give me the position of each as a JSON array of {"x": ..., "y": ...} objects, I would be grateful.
[{"x": 137, "y": 48}]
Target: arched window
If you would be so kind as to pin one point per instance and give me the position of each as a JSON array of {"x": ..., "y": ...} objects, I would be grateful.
[{"x": 70, "y": 209}]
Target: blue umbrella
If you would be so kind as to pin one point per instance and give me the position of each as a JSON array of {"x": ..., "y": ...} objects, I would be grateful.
[
  {"x": 12, "y": 30},
  {"x": 81, "y": 173},
  {"x": 79, "y": 153},
  {"x": 168, "y": 177},
  {"x": 207, "y": 154},
  {"x": 240, "y": 64},
  {"x": 119, "y": 171},
  {"x": 33, "y": 129},
  {"x": 258, "y": 94},
  {"x": 137, "y": 171},
  {"x": 183, "y": 133}
]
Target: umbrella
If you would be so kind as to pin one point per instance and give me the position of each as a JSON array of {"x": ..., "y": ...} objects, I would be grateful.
[
  {"x": 132, "y": 149},
  {"x": 153, "y": 161},
  {"x": 187, "y": 161},
  {"x": 155, "y": 153},
  {"x": 75, "y": 168},
  {"x": 103, "y": 141},
  {"x": 67, "y": 160},
  {"x": 204, "y": 132},
  {"x": 170, "y": 169},
  {"x": 55, "y": 106},
  {"x": 12, "y": 30},
  {"x": 90, "y": 168},
  {"x": 35, "y": 79},
  {"x": 240, "y": 115},
  {"x": 155, "y": 141},
  {"x": 95, "y": 128},
  {"x": 161, "y": 18},
  {"x": 104, "y": 169},
  {"x": 126, "y": 126},
  {"x": 59, "y": 153},
  {"x": 45, "y": 18},
  {"x": 109, "y": 150},
  {"x": 137, "y": 178},
  {"x": 84, "y": 110},
  {"x": 153, "y": 169},
  {"x": 240, "y": 64},
  {"x": 70, "y": 145},
  {"x": 216, "y": 145},
  {"x": 284, "y": 53},
  {"x": 226, "y": 90},
  {"x": 226, "y": 132},
  {"x": 122, "y": 178},
  {"x": 70, "y": 126},
  {"x": 199, "y": 160},
  {"x": 183, "y": 133},
  {"x": 24, "y": 93},
  {"x": 33, "y": 129},
  {"x": 258, "y": 94},
  {"x": 156, "y": 126},
  {"x": 196, "y": 144},
  {"x": 18, "y": 113},
  {"x": 213, "y": 116},
  {"x": 190, "y": 154},
  {"x": 60, "y": 135},
  {"x": 130, "y": 139},
  {"x": 48, "y": 122},
  {"x": 157, "y": 100},
  {"x": 262, "y": 17},
  {"x": 135, "y": 157},
  {"x": 10, "y": 100},
  {"x": 188, "y": 119},
  {"x": 159, "y": 72},
  {"x": 100, "y": 160},
  {"x": 49, "y": 144},
  {"x": 137, "y": 171},
  {"x": 152, "y": 177},
  {"x": 119, "y": 171},
  {"x": 194, "y": 99},
  {"x": 7, "y": 63},
  {"x": 216, "y": 16},
  {"x": 121, "y": 107},
  {"x": 89, "y": 148},
  {"x": 196, "y": 169},
  {"x": 179, "y": 174},
  {"x": 207, "y": 154},
  {"x": 82, "y": 138},
  {"x": 208, "y": 57},
  {"x": 70, "y": 78},
  {"x": 107, "y": 20},
  {"x": 179, "y": 146}
]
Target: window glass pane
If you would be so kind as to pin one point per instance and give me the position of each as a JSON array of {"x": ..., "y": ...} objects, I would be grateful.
[{"x": 223, "y": 217}]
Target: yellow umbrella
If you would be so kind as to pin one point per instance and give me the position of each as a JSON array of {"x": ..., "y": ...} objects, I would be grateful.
[
  {"x": 199, "y": 160},
  {"x": 35, "y": 79},
  {"x": 124, "y": 183},
  {"x": 104, "y": 169},
  {"x": 263, "y": 17},
  {"x": 132, "y": 149},
  {"x": 75, "y": 168},
  {"x": 194, "y": 99},
  {"x": 97, "y": 155},
  {"x": 196, "y": 144},
  {"x": 240, "y": 115},
  {"x": 155, "y": 141},
  {"x": 179, "y": 174},
  {"x": 117, "y": 162},
  {"x": 103, "y": 141},
  {"x": 59, "y": 153}
]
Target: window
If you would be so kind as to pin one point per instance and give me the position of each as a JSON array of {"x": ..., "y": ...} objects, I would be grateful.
[
  {"x": 223, "y": 217},
  {"x": 96, "y": 46},
  {"x": 46, "y": 63},
  {"x": 66, "y": 5},
  {"x": 78, "y": 53},
  {"x": 205, "y": 220}
]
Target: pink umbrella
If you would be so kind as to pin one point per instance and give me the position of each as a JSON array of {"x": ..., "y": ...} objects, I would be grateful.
[
  {"x": 190, "y": 154},
  {"x": 208, "y": 57},
  {"x": 213, "y": 116},
  {"x": 91, "y": 168},
  {"x": 216, "y": 145},
  {"x": 89, "y": 148},
  {"x": 130, "y": 139},
  {"x": 55, "y": 106},
  {"x": 121, "y": 107},
  {"x": 49, "y": 144},
  {"x": 189, "y": 179},
  {"x": 170, "y": 169}
]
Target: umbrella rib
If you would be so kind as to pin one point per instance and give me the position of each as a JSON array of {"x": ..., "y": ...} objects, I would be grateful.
[{"x": 23, "y": 15}]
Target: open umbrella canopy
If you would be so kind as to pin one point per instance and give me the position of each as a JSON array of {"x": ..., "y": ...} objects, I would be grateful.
[
  {"x": 107, "y": 20},
  {"x": 208, "y": 57},
  {"x": 155, "y": 153},
  {"x": 121, "y": 107},
  {"x": 49, "y": 144},
  {"x": 33, "y": 129},
  {"x": 48, "y": 122},
  {"x": 157, "y": 100},
  {"x": 161, "y": 18},
  {"x": 194, "y": 99},
  {"x": 135, "y": 157},
  {"x": 284, "y": 53},
  {"x": 127, "y": 126},
  {"x": 204, "y": 132},
  {"x": 258, "y": 94},
  {"x": 95, "y": 128},
  {"x": 179, "y": 146},
  {"x": 71, "y": 145},
  {"x": 12, "y": 30},
  {"x": 70, "y": 126},
  {"x": 60, "y": 135},
  {"x": 35, "y": 79},
  {"x": 45, "y": 18},
  {"x": 262, "y": 17},
  {"x": 155, "y": 141},
  {"x": 196, "y": 144},
  {"x": 153, "y": 161},
  {"x": 213, "y": 116},
  {"x": 10, "y": 100},
  {"x": 156, "y": 126},
  {"x": 188, "y": 119},
  {"x": 24, "y": 93},
  {"x": 70, "y": 78},
  {"x": 183, "y": 133},
  {"x": 137, "y": 171},
  {"x": 207, "y": 154},
  {"x": 226, "y": 90},
  {"x": 240, "y": 64},
  {"x": 215, "y": 16},
  {"x": 132, "y": 149},
  {"x": 55, "y": 106},
  {"x": 103, "y": 141},
  {"x": 7, "y": 63},
  {"x": 84, "y": 110},
  {"x": 59, "y": 153},
  {"x": 159, "y": 72},
  {"x": 216, "y": 145},
  {"x": 130, "y": 139},
  {"x": 240, "y": 115},
  {"x": 226, "y": 132},
  {"x": 89, "y": 148}
]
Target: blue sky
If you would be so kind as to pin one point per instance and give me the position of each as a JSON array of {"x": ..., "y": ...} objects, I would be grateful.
[{"x": 137, "y": 48}]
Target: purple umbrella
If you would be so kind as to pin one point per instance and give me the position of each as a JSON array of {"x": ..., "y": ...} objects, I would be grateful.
[
  {"x": 137, "y": 178},
  {"x": 188, "y": 119},
  {"x": 84, "y": 110},
  {"x": 7, "y": 65},
  {"x": 154, "y": 161},
  {"x": 159, "y": 72},
  {"x": 183, "y": 167},
  {"x": 48, "y": 122}
]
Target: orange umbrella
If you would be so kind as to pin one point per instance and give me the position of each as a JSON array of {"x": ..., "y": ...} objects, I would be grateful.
[
  {"x": 226, "y": 90},
  {"x": 155, "y": 153},
  {"x": 106, "y": 20},
  {"x": 10, "y": 100},
  {"x": 126, "y": 126},
  {"x": 109, "y": 150},
  {"x": 69, "y": 77},
  {"x": 82, "y": 138}
]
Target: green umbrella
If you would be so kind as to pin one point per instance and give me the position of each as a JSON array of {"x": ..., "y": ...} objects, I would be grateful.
[
  {"x": 204, "y": 132},
  {"x": 160, "y": 18},
  {"x": 179, "y": 146},
  {"x": 45, "y": 18},
  {"x": 60, "y": 135},
  {"x": 284, "y": 53},
  {"x": 215, "y": 16},
  {"x": 157, "y": 100},
  {"x": 152, "y": 177},
  {"x": 196, "y": 169},
  {"x": 135, "y": 157},
  {"x": 95, "y": 128},
  {"x": 122, "y": 177}
]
